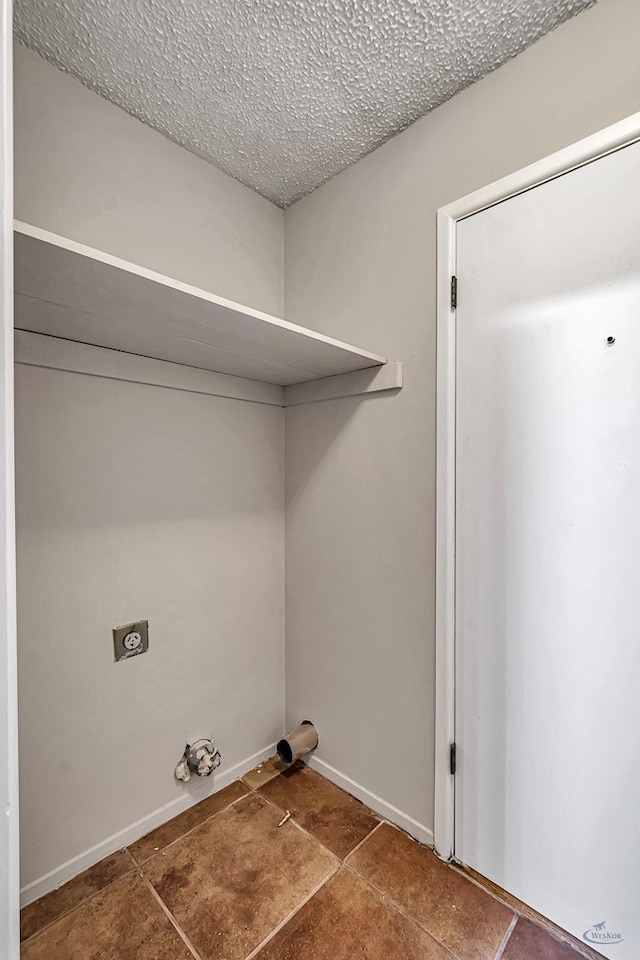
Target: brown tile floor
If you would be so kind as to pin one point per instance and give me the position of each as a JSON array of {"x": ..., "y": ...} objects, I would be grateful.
[
  {"x": 229, "y": 880},
  {"x": 334, "y": 818}
]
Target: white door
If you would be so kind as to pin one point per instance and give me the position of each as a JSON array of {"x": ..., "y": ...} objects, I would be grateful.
[
  {"x": 547, "y": 793},
  {"x": 9, "y": 876}
]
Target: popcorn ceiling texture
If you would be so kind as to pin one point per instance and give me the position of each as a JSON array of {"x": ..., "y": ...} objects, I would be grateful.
[{"x": 283, "y": 94}]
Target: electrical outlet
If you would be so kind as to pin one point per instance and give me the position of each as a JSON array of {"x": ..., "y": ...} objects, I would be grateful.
[{"x": 130, "y": 640}]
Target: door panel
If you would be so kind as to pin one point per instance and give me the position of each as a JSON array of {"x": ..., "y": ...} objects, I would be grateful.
[{"x": 548, "y": 549}]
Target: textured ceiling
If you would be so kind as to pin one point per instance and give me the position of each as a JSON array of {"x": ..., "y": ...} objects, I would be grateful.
[{"x": 282, "y": 94}]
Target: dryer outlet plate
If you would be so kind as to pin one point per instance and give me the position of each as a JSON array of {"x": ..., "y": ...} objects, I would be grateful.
[{"x": 130, "y": 640}]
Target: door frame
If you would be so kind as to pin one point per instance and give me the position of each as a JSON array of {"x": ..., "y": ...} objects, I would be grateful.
[
  {"x": 9, "y": 837},
  {"x": 598, "y": 145}
]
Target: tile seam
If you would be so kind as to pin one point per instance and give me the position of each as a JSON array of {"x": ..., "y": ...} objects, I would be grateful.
[
  {"x": 364, "y": 840},
  {"x": 401, "y": 909},
  {"x": 293, "y": 913},
  {"x": 133, "y": 869},
  {"x": 172, "y": 919},
  {"x": 386, "y": 897},
  {"x": 389, "y": 901},
  {"x": 507, "y": 936},
  {"x": 334, "y": 869},
  {"x": 526, "y": 912},
  {"x": 140, "y": 864},
  {"x": 306, "y": 833},
  {"x": 311, "y": 835},
  {"x": 304, "y": 830}
]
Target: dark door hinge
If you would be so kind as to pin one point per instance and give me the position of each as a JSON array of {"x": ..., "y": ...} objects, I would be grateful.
[
  {"x": 454, "y": 292},
  {"x": 452, "y": 759}
]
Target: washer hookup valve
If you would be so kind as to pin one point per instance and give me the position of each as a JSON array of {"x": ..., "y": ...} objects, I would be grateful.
[{"x": 201, "y": 758}]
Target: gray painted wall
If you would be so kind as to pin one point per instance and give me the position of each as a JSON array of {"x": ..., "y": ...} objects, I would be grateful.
[
  {"x": 360, "y": 263},
  {"x": 136, "y": 501},
  {"x": 89, "y": 171},
  {"x": 139, "y": 502}
]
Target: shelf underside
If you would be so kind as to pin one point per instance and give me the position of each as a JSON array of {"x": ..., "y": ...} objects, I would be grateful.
[{"x": 67, "y": 290}]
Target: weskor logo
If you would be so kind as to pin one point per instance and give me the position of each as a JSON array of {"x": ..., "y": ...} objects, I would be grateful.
[{"x": 599, "y": 934}]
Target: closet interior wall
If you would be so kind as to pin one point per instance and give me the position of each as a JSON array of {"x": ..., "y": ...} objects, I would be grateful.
[{"x": 137, "y": 501}]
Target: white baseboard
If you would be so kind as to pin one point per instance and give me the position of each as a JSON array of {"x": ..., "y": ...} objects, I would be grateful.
[
  {"x": 66, "y": 871},
  {"x": 376, "y": 803}
]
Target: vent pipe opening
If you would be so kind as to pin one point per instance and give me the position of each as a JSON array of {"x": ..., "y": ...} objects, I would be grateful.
[{"x": 300, "y": 741}]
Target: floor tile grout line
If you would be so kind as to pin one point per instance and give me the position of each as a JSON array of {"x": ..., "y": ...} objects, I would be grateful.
[
  {"x": 391, "y": 902},
  {"x": 302, "y": 829},
  {"x": 299, "y": 827},
  {"x": 130, "y": 855},
  {"x": 138, "y": 867},
  {"x": 460, "y": 870},
  {"x": 394, "y": 905},
  {"x": 296, "y": 824},
  {"x": 255, "y": 791},
  {"x": 172, "y": 919},
  {"x": 494, "y": 896},
  {"x": 313, "y": 837},
  {"x": 134, "y": 869},
  {"x": 334, "y": 856},
  {"x": 160, "y": 850},
  {"x": 187, "y": 832},
  {"x": 251, "y": 790},
  {"x": 454, "y": 867},
  {"x": 507, "y": 937},
  {"x": 364, "y": 840},
  {"x": 553, "y": 931},
  {"x": 293, "y": 913}
]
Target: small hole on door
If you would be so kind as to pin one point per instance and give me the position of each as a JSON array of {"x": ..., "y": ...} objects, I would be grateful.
[{"x": 611, "y": 340}]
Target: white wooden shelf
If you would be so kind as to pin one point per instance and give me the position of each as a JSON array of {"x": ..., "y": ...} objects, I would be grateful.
[{"x": 67, "y": 290}]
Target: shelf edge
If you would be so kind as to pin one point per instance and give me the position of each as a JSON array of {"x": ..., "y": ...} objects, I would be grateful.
[
  {"x": 81, "y": 249},
  {"x": 390, "y": 376}
]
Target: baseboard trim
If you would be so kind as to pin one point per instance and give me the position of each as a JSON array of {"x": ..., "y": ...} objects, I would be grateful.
[
  {"x": 66, "y": 871},
  {"x": 377, "y": 804}
]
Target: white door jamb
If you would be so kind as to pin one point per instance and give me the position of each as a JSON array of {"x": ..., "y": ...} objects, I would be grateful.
[
  {"x": 585, "y": 151},
  {"x": 9, "y": 867}
]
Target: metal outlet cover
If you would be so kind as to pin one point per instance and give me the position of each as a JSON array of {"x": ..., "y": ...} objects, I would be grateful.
[{"x": 130, "y": 640}]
